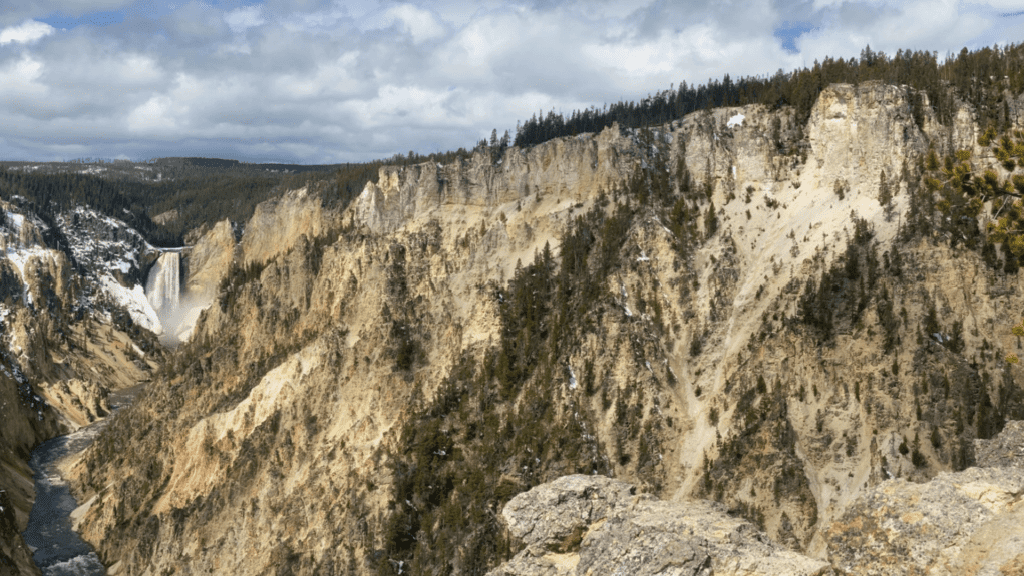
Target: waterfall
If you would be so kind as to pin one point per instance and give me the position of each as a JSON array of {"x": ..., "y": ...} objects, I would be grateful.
[{"x": 164, "y": 283}]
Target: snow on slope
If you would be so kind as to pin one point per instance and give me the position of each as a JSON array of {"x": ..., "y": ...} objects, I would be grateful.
[
  {"x": 134, "y": 301},
  {"x": 115, "y": 254}
]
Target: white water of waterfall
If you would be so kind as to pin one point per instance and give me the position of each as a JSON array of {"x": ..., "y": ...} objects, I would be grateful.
[
  {"x": 164, "y": 283},
  {"x": 163, "y": 290}
]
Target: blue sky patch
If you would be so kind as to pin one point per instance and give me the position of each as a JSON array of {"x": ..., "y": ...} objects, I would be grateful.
[
  {"x": 59, "y": 21},
  {"x": 789, "y": 32}
]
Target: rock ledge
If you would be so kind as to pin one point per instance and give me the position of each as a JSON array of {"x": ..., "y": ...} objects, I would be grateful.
[{"x": 597, "y": 525}]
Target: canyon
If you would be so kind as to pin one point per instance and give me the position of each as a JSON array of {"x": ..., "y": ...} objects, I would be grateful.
[{"x": 715, "y": 309}]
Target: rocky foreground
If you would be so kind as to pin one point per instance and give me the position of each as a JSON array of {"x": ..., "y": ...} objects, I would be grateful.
[
  {"x": 969, "y": 522},
  {"x": 596, "y": 525}
]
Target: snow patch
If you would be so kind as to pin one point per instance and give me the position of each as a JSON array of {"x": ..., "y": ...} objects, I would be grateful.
[
  {"x": 20, "y": 257},
  {"x": 735, "y": 121},
  {"x": 134, "y": 300},
  {"x": 17, "y": 220}
]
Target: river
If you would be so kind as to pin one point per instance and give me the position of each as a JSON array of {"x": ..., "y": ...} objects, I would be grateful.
[{"x": 57, "y": 549}]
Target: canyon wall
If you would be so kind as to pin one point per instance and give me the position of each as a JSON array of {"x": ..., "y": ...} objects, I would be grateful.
[{"x": 725, "y": 311}]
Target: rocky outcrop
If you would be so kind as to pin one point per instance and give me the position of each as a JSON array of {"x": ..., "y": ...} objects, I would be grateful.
[
  {"x": 857, "y": 132},
  {"x": 15, "y": 557},
  {"x": 572, "y": 169},
  {"x": 597, "y": 525},
  {"x": 209, "y": 260},
  {"x": 964, "y": 523},
  {"x": 1004, "y": 451},
  {"x": 80, "y": 402},
  {"x": 279, "y": 224}
]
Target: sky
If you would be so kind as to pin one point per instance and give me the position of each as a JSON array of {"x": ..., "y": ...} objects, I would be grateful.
[{"x": 326, "y": 81}]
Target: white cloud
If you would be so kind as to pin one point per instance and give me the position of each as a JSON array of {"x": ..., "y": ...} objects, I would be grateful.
[
  {"x": 921, "y": 25},
  {"x": 157, "y": 116},
  {"x": 242, "y": 19},
  {"x": 333, "y": 80},
  {"x": 1006, "y": 6},
  {"x": 19, "y": 81},
  {"x": 420, "y": 23},
  {"x": 25, "y": 33}
]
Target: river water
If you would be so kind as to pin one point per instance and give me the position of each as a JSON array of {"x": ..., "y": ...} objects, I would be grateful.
[{"x": 57, "y": 549}]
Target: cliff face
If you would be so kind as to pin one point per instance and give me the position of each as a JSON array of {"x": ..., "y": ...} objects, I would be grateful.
[
  {"x": 570, "y": 169},
  {"x": 64, "y": 343},
  {"x": 278, "y": 224},
  {"x": 724, "y": 310},
  {"x": 209, "y": 261}
]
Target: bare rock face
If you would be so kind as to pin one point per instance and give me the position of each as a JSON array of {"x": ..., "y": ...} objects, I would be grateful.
[
  {"x": 47, "y": 278},
  {"x": 856, "y": 132},
  {"x": 569, "y": 168},
  {"x": 278, "y": 224},
  {"x": 15, "y": 557},
  {"x": 80, "y": 402},
  {"x": 209, "y": 260},
  {"x": 1005, "y": 450},
  {"x": 969, "y": 522},
  {"x": 597, "y": 525}
]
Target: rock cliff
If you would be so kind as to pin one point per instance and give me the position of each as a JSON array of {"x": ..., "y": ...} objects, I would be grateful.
[
  {"x": 209, "y": 260},
  {"x": 279, "y": 223},
  {"x": 593, "y": 524},
  {"x": 719, "y": 308},
  {"x": 66, "y": 342},
  {"x": 568, "y": 169}
]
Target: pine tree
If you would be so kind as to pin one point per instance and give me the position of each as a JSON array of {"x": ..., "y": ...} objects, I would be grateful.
[
  {"x": 710, "y": 222},
  {"x": 885, "y": 195}
]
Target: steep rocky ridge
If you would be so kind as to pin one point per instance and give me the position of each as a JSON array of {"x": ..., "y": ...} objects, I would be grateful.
[
  {"x": 209, "y": 260},
  {"x": 279, "y": 223},
  {"x": 564, "y": 169},
  {"x": 64, "y": 344},
  {"x": 724, "y": 309}
]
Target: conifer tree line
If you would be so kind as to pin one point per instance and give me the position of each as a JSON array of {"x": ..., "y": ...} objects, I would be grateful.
[
  {"x": 977, "y": 77},
  {"x": 48, "y": 194},
  {"x": 201, "y": 191}
]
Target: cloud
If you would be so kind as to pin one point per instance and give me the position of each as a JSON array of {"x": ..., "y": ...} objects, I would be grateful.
[
  {"x": 26, "y": 33},
  {"x": 328, "y": 81},
  {"x": 421, "y": 24},
  {"x": 242, "y": 19}
]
